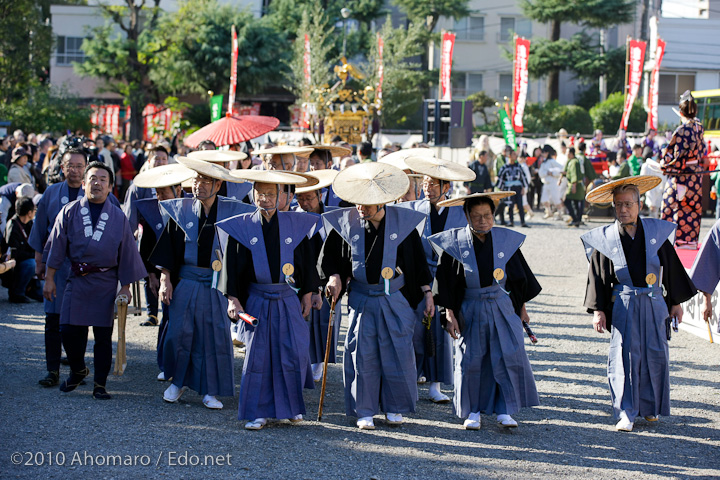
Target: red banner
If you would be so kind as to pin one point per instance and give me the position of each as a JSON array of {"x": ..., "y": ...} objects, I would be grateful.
[
  {"x": 381, "y": 70},
  {"x": 306, "y": 59},
  {"x": 233, "y": 72},
  {"x": 636, "y": 60},
  {"x": 448, "y": 43},
  {"x": 652, "y": 119},
  {"x": 520, "y": 81}
]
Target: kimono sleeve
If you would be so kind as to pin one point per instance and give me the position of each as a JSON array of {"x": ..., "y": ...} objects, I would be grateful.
[
  {"x": 40, "y": 224},
  {"x": 57, "y": 243},
  {"x": 449, "y": 286},
  {"x": 706, "y": 270},
  {"x": 677, "y": 283}
]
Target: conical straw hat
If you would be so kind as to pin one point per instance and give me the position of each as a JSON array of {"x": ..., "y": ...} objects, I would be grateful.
[
  {"x": 371, "y": 183},
  {"x": 604, "y": 193}
]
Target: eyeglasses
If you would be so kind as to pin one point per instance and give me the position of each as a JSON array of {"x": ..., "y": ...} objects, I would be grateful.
[
  {"x": 267, "y": 196},
  {"x": 487, "y": 217},
  {"x": 621, "y": 205},
  {"x": 74, "y": 167}
]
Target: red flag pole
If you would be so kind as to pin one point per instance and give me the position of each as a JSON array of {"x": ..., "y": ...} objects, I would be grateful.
[{"x": 233, "y": 73}]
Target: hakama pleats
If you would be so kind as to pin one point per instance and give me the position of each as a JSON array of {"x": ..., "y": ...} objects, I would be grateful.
[
  {"x": 438, "y": 368},
  {"x": 318, "y": 324},
  {"x": 492, "y": 370}
]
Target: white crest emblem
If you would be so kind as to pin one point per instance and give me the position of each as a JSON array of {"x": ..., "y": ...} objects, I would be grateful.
[
  {"x": 288, "y": 241},
  {"x": 104, "y": 216},
  {"x": 501, "y": 254},
  {"x": 253, "y": 241},
  {"x": 159, "y": 226},
  {"x": 355, "y": 238},
  {"x": 189, "y": 225},
  {"x": 393, "y": 236},
  {"x": 589, "y": 249},
  {"x": 653, "y": 241},
  {"x": 84, "y": 211},
  {"x": 465, "y": 254},
  {"x": 614, "y": 250},
  {"x": 64, "y": 200}
]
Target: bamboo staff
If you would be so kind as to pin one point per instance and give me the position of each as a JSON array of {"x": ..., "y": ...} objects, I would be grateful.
[
  {"x": 120, "y": 357},
  {"x": 328, "y": 343}
]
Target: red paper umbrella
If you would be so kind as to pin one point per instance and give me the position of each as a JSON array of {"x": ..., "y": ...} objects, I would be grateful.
[{"x": 230, "y": 130}]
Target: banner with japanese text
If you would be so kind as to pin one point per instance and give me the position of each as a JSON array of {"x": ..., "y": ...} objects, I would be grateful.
[
  {"x": 520, "y": 81},
  {"x": 233, "y": 72},
  {"x": 634, "y": 68},
  {"x": 306, "y": 59},
  {"x": 381, "y": 71},
  {"x": 507, "y": 128},
  {"x": 653, "y": 95},
  {"x": 448, "y": 43},
  {"x": 216, "y": 106}
]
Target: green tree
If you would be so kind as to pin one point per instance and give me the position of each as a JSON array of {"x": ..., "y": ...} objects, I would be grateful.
[
  {"x": 125, "y": 61},
  {"x": 47, "y": 109},
  {"x": 588, "y": 13},
  {"x": 25, "y": 45},
  {"x": 423, "y": 12},
  {"x": 607, "y": 115},
  {"x": 549, "y": 117},
  {"x": 198, "y": 57},
  {"x": 403, "y": 80},
  {"x": 481, "y": 101}
]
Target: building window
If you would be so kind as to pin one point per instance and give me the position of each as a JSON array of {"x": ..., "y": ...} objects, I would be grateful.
[
  {"x": 470, "y": 28},
  {"x": 507, "y": 27},
  {"x": 465, "y": 83},
  {"x": 69, "y": 50},
  {"x": 474, "y": 82},
  {"x": 523, "y": 27},
  {"x": 506, "y": 87},
  {"x": 672, "y": 85}
]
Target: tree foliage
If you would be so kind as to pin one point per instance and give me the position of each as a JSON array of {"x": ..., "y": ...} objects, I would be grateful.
[
  {"x": 550, "y": 57},
  {"x": 403, "y": 80},
  {"x": 427, "y": 13},
  {"x": 46, "y": 109},
  {"x": 607, "y": 115},
  {"x": 481, "y": 101},
  {"x": 198, "y": 57},
  {"x": 25, "y": 45},
  {"x": 125, "y": 61}
]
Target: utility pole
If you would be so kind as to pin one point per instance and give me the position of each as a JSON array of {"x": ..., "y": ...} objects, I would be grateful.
[{"x": 601, "y": 81}]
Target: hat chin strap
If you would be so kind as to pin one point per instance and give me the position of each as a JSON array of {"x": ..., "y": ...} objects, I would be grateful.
[{"x": 373, "y": 215}]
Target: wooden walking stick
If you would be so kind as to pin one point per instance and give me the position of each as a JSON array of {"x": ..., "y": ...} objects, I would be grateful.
[
  {"x": 709, "y": 330},
  {"x": 120, "y": 358},
  {"x": 327, "y": 357}
]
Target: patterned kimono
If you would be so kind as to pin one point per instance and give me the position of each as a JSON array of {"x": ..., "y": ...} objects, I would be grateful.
[
  {"x": 682, "y": 200},
  {"x": 277, "y": 360},
  {"x": 89, "y": 300},
  {"x": 437, "y": 368}
]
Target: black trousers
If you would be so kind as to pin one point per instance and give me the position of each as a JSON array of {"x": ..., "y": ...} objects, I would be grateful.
[
  {"x": 74, "y": 339},
  {"x": 575, "y": 209},
  {"x": 53, "y": 343},
  {"x": 515, "y": 200}
]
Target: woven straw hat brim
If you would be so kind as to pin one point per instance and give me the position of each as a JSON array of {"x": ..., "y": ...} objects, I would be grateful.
[
  {"x": 277, "y": 177},
  {"x": 325, "y": 179},
  {"x": 459, "y": 201},
  {"x": 285, "y": 150},
  {"x": 440, "y": 169},
  {"x": 163, "y": 176},
  {"x": 217, "y": 155},
  {"x": 371, "y": 183},
  {"x": 334, "y": 150},
  {"x": 398, "y": 159},
  {"x": 211, "y": 170},
  {"x": 604, "y": 193}
]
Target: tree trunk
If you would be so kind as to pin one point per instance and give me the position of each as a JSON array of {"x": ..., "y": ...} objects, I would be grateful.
[
  {"x": 553, "y": 86},
  {"x": 644, "y": 19},
  {"x": 136, "y": 116}
]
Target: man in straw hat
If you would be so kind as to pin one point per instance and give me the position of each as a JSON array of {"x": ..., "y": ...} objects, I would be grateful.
[
  {"x": 705, "y": 272},
  {"x": 322, "y": 159},
  {"x": 57, "y": 195},
  {"x": 166, "y": 181},
  {"x": 310, "y": 201},
  {"x": 269, "y": 272},
  {"x": 95, "y": 236},
  {"x": 228, "y": 159},
  {"x": 632, "y": 267},
  {"x": 484, "y": 282},
  {"x": 375, "y": 252},
  {"x": 435, "y": 366},
  {"x": 284, "y": 157},
  {"x": 198, "y": 351}
]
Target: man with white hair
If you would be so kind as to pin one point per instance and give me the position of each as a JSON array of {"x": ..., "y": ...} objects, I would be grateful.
[{"x": 9, "y": 193}]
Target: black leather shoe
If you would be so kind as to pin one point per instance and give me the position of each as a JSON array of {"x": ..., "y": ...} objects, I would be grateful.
[
  {"x": 19, "y": 299},
  {"x": 51, "y": 379},
  {"x": 524, "y": 225}
]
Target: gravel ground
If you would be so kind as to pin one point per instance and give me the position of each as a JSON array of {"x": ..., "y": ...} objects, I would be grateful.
[{"x": 570, "y": 435}]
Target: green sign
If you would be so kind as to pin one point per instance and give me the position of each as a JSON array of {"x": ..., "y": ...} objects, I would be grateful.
[
  {"x": 216, "y": 106},
  {"x": 507, "y": 128}
]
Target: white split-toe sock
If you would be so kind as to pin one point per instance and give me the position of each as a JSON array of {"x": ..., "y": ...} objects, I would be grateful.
[
  {"x": 436, "y": 395},
  {"x": 472, "y": 422},
  {"x": 506, "y": 421}
]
